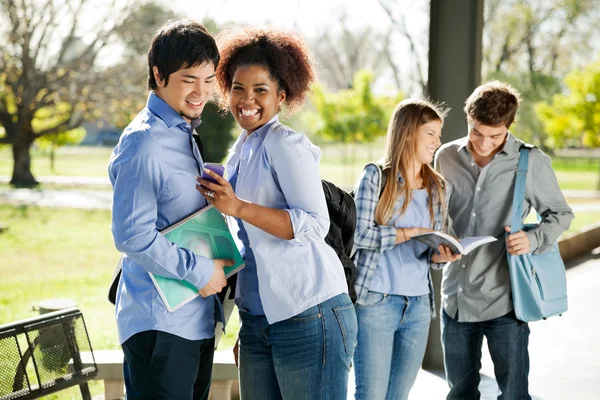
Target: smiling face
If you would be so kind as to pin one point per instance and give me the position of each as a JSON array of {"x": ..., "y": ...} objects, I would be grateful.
[
  {"x": 485, "y": 141},
  {"x": 255, "y": 97},
  {"x": 427, "y": 141},
  {"x": 188, "y": 89}
]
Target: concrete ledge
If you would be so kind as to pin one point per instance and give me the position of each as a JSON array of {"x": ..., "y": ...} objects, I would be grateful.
[
  {"x": 224, "y": 384},
  {"x": 580, "y": 243}
]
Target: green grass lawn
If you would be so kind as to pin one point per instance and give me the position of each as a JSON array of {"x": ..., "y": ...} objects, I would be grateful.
[{"x": 70, "y": 161}]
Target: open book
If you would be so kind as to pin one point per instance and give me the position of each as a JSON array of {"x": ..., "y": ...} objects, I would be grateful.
[
  {"x": 207, "y": 234},
  {"x": 463, "y": 246}
]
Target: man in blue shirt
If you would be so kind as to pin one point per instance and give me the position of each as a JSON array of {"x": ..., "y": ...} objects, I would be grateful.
[{"x": 153, "y": 171}]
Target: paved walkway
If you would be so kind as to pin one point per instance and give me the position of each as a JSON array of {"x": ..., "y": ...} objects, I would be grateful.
[
  {"x": 564, "y": 351},
  {"x": 75, "y": 198},
  {"x": 67, "y": 180},
  {"x": 102, "y": 199}
]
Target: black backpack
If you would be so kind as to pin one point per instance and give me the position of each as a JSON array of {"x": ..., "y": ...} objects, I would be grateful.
[{"x": 342, "y": 224}]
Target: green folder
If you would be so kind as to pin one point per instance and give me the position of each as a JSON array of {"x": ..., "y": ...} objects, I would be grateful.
[{"x": 205, "y": 233}]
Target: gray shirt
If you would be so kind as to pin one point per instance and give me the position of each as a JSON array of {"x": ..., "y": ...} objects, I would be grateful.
[{"x": 480, "y": 205}]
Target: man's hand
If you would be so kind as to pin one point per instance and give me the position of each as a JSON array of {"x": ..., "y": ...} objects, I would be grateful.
[
  {"x": 517, "y": 243},
  {"x": 445, "y": 255},
  {"x": 217, "y": 281}
]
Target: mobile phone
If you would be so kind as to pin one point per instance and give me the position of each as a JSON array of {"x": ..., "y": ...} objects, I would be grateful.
[{"x": 215, "y": 167}]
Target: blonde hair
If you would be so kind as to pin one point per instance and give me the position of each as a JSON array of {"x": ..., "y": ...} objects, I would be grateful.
[{"x": 400, "y": 148}]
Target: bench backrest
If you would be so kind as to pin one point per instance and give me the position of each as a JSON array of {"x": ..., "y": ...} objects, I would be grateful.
[{"x": 45, "y": 354}]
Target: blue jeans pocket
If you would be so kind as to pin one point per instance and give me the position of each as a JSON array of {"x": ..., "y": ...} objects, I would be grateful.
[
  {"x": 373, "y": 299},
  {"x": 346, "y": 318},
  {"x": 309, "y": 314}
]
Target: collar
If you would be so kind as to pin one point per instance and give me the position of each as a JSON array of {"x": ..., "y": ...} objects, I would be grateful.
[
  {"x": 263, "y": 130},
  {"x": 166, "y": 113},
  {"x": 511, "y": 145}
]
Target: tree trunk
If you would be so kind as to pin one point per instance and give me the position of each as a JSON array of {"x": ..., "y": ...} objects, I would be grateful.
[
  {"x": 52, "y": 152},
  {"x": 22, "y": 175}
]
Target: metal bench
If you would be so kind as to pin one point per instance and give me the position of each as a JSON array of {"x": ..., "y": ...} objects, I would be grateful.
[{"x": 45, "y": 354}]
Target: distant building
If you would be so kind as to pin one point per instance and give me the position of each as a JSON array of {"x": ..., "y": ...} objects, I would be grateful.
[{"x": 100, "y": 133}]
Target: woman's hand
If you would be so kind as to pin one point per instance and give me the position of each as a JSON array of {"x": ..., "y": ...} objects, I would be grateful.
[
  {"x": 445, "y": 255},
  {"x": 410, "y": 232},
  {"x": 220, "y": 194}
]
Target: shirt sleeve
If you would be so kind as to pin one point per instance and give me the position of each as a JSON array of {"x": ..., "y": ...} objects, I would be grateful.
[
  {"x": 138, "y": 175},
  {"x": 369, "y": 235},
  {"x": 296, "y": 164},
  {"x": 544, "y": 194}
]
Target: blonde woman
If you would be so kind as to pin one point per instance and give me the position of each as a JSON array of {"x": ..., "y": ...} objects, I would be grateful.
[{"x": 395, "y": 295}]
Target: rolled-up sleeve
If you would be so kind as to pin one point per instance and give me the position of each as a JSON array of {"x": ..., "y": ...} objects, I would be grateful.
[
  {"x": 544, "y": 194},
  {"x": 296, "y": 163},
  {"x": 138, "y": 176},
  {"x": 369, "y": 235}
]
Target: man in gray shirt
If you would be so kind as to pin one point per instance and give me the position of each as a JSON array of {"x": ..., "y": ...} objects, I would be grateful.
[{"x": 476, "y": 292}]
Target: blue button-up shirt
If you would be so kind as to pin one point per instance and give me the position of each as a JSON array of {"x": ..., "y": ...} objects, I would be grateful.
[
  {"x": 280, "y": 169},
  {"x": 153, "y": 171}
]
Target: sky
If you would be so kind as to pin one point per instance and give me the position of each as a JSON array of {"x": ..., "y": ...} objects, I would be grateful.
[{"x": 312, "y": 17}]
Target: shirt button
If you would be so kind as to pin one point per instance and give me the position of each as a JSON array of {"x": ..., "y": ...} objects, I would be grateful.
[
  {"x": 478, "y": 189},
  {"x": 243, "y": 158},
  {"x": 463, "y": 266},
  {"x": 472, "y": 164},
  {"x": 460, "y": 289},
  {"x": 474, "y": 215}
]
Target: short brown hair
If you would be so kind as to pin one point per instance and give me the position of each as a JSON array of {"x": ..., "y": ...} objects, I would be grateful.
[
  {"x": 283, "y": 54},
  {"x": 494, "y": 103}
]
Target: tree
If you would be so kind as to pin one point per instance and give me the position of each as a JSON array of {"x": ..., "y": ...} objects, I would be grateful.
[
  {"x": 532, "y": 45},
  {"x": 573, "y": 118},
  {"x": 352, "y": 115},
  {"x": 51, "y": 55},
  {"x": 416, "y": 42},
  {"x": 341, "y": 52}
]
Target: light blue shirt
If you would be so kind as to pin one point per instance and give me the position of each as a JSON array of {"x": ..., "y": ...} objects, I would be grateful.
[
  {"x": 152, "y": 171},
  {"x": 404, "y": 269},
  {"x": 280, "y": 169},
  {"x": 247, "y": 297}
]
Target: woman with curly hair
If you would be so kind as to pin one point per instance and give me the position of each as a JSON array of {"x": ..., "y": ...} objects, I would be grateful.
[{"x": 298, "y": 325}]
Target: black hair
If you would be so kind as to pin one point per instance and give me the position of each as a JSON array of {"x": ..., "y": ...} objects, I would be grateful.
[{"x": 180, "y": 44}]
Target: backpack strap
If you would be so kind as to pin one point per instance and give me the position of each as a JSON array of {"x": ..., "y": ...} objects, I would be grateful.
[{"x": 382, "y": 177}]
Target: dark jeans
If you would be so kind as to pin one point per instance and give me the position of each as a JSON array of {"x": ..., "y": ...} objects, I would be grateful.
[
  {"x": 507, "y": 340},
  {"x": 159, "y": 365}
]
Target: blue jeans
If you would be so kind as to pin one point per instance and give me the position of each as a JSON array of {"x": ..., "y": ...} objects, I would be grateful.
[
  {"x": 392, "y": 335},
  {"x": 307, "y": 356},
  {"x": 159, "y": 365},
  {"x": 507, "y": 339}
]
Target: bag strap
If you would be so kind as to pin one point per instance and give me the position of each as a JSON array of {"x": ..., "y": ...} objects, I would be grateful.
[
  {"x": 519, "y": 192},
  {"x": 382, "y": 178}
]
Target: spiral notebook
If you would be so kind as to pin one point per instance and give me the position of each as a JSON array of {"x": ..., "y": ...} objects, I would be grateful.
[{"x": 205, "y": 233}]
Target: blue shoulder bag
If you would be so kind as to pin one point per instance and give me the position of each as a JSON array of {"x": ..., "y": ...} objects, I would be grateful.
[{"x": 538, "y": 281}]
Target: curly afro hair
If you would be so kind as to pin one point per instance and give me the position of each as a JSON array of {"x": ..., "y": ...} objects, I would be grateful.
[{"x": 283, "y": 54}]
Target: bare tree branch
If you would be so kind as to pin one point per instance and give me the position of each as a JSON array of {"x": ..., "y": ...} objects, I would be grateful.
[{"x": 400, "y": 27}]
